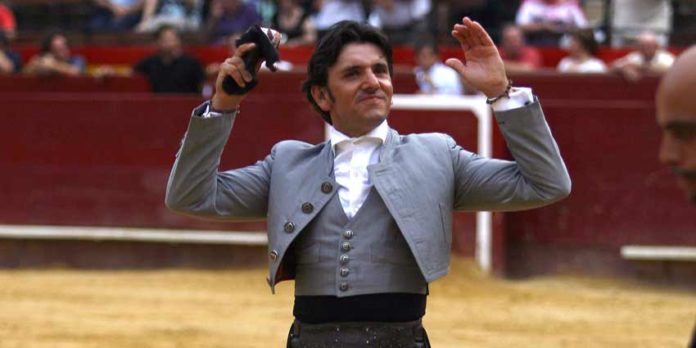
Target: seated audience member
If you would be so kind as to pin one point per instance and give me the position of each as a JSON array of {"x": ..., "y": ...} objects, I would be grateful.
[
  {"x": 184, "y": 15},
  {"x": 294, "y": 23},
  {"x": 630, "y": 18},
  {"x": 648, "y": 58},
  {"x": 171, "y": 70},
  {"x": 116, "y": 15},
  {"x": 581, "y": 48},
  {"x": 330, "y": 12},
  {"x": 401, "y": 20},
  {"x": 55, "y": 58},
  {"x": 518, "y": 57},
  {"x": 229, "y": 17},
  {"x": 8, "y": 24},
  {"x": 545, "y": 21},
  {"x": 10, "y": 61},
  {"x": 432, "y": 76}
]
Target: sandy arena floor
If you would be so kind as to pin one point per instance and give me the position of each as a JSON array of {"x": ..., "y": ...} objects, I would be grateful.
[{"x": 234, "y": 308}]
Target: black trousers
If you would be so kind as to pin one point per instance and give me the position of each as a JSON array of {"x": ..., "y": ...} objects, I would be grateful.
[{"x": 358, "y": 335}]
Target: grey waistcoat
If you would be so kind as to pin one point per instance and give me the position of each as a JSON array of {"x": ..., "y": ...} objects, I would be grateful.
[{"x": 366, "y": 255}]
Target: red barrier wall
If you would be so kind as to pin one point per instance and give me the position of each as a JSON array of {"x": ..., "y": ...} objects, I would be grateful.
[{"x": 103, "y": 159}]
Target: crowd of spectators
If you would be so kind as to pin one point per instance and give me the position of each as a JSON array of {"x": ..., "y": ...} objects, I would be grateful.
[{"x": 520, "y": 28}]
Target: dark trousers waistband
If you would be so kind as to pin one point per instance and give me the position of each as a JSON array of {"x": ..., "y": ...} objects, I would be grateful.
[{"x": 358, "y": 334}]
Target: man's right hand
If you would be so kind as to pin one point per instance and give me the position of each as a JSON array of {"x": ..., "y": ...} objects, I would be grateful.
[{"x": 234, "y": 68}]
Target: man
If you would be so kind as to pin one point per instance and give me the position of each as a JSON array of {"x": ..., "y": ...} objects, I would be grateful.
[
  {"x": 676, "y": 115},
  {"x": 363, "y": 221},
  {"x": 432, "y": 76},
  {"x": 171, "y": 70},
  {"x": 517, "y": 55},
  {"x": 55, "y": 58},
  {"x": 648, "y": 58}
]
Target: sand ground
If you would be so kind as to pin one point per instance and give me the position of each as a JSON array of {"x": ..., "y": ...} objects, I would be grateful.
[{"x": 234, "y": 308}]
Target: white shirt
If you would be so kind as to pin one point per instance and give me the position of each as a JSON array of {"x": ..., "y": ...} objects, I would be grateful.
[
  {"x": 570, "y": 14},
  {"x": 662, "y": 60},
  {"x": 351, "y": 158},
  {"x": 439, "y": 79},
  {"x": 592, "y": 65},
  {"x": 353, "y": 155}
]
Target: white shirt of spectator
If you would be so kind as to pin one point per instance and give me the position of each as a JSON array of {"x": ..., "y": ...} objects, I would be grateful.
[
  {"x": 402, "y": 14},
  {"x": 444, "y": 80},
  {"x": 334, "y": 11},
  {"x": 535, "y": 11},
  {"x": 661, "y": 61},
  {"x": 592, "y": 65},
  {"x": 353, "y": 155}
]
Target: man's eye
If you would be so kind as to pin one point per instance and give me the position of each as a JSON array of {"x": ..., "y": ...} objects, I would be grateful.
[{"x": 684, "y": 134}]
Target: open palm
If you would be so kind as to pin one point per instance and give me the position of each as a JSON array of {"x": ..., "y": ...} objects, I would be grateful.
[{"x": 484, "y": 69}]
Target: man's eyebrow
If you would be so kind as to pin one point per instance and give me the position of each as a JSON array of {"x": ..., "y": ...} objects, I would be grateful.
[{"x": 673, "y": 125}]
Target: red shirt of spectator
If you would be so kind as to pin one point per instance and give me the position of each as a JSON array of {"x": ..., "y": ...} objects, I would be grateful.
[{"x": 7, "y": 19}]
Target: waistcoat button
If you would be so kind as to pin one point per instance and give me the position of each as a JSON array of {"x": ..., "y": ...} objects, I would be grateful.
[
  {"x": 343, "y": 287},
  {"x": 345, "y": 246},
  {"x": 307, "y": 207},
  {"x": 344, "y": 259},
  {"x": 326, "y": 187},
  {"x": 344, "y": 271},
  {"x": 347, "y": 234},
  {"x": 274, "y": 255},
  {"x": 289, "y": 227}
]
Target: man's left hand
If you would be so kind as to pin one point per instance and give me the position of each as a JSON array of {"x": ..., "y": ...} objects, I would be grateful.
[{"x": 484, "y": 69}]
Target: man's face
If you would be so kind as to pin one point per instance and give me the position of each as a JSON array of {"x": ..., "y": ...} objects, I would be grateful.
[
  {"x": 59, "y": 47},
  {"x": 512, "y": 39},
  {"x": 426, "y": 57},
  {"x": 359, "y": 90},
  {"x": 169, "y": 42},
  {"x": 676, "y": 115},
  {"x": 647, "y": 47}
]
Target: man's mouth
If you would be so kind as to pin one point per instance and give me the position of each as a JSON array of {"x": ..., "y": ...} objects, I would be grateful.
[{"x": 370, "y": 97}]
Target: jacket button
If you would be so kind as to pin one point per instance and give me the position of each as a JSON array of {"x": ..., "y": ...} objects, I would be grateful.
[
  {"x": 307, "y": 207},
  {"x": 347, "y": 234},
  {"x": 274, "y": 255},
  {"x": 343, "y": 287},
  {"x": 344, "y": 259},
  {"x": 326, "y": 187},
  {"x": 344, "y": 271},
  {"x": 289, "y": 227},
  {"x": 345, "y": 246}
]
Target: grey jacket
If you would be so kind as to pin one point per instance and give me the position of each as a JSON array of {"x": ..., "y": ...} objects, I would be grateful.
[{"x": 422, "y": 178}]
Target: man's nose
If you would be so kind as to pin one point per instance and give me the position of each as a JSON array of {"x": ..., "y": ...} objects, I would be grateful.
[
  {"x": 669, "y": 151},
  {"x": 371, "y": 81}
]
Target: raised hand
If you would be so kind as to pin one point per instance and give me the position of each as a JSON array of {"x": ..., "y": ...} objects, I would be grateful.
[
  {"x": 233, "y": 67},
  {"x": 484, "y": 69}
]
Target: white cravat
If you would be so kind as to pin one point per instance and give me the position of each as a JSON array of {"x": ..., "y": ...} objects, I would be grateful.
[{"x": 351, "y": 158}]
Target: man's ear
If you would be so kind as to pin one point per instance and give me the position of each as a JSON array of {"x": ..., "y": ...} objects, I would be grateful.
[{"x": 321, "y": 97}]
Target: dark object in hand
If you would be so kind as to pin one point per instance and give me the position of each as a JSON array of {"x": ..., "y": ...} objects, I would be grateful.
[{"x": 265, "y": 50}]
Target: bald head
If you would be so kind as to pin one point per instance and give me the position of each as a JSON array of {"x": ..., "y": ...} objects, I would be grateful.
[
  {"x": 676, "y": 116},
  {"x": 647, "y": 45}
]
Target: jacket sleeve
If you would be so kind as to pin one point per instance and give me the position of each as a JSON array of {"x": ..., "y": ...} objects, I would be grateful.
[
  {"x": 196, "y": 187},
  {"x": 536, "y": 178}
]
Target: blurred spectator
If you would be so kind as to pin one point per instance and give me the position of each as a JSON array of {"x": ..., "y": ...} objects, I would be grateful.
[
  {"x": 401, "y": 20},
  {"x": 648, "y": 58},
  {"x": 491, "y": 14},
  {"x": 183, "y": 15},
  {"x": 294, "y": 23},
  {"x": 581, "y": 48},
  {"x": 229, "y": 17},
  {"x": 330, "y": 12},
  {"x": 432, "y": 76},
  {"x": 10, "y": 61},
  {"x": 55, "y": 58},
  {"x": 545, "y": 21},
  {"x": 630, "y": 18},
  {"x": 8, "y": 24},
  {"x": 116, "y": 15},
  {"x": 171, "y": 70},
  {"x": 518, "y": 57}
]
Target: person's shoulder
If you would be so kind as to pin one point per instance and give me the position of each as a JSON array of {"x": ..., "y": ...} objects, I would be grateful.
[
  {"x": 290, "y": 147},
  {"x": 425, "y": 139}
]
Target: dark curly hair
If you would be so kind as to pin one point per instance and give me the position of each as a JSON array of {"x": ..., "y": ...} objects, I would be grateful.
[{"x": 330, "y": 47}]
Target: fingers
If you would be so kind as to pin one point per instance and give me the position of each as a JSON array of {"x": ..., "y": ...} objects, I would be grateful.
[
  {"x": 457, "y": 65},
  {"x": 234, "y": 66},
  {"x": 471, "y": 34}
]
